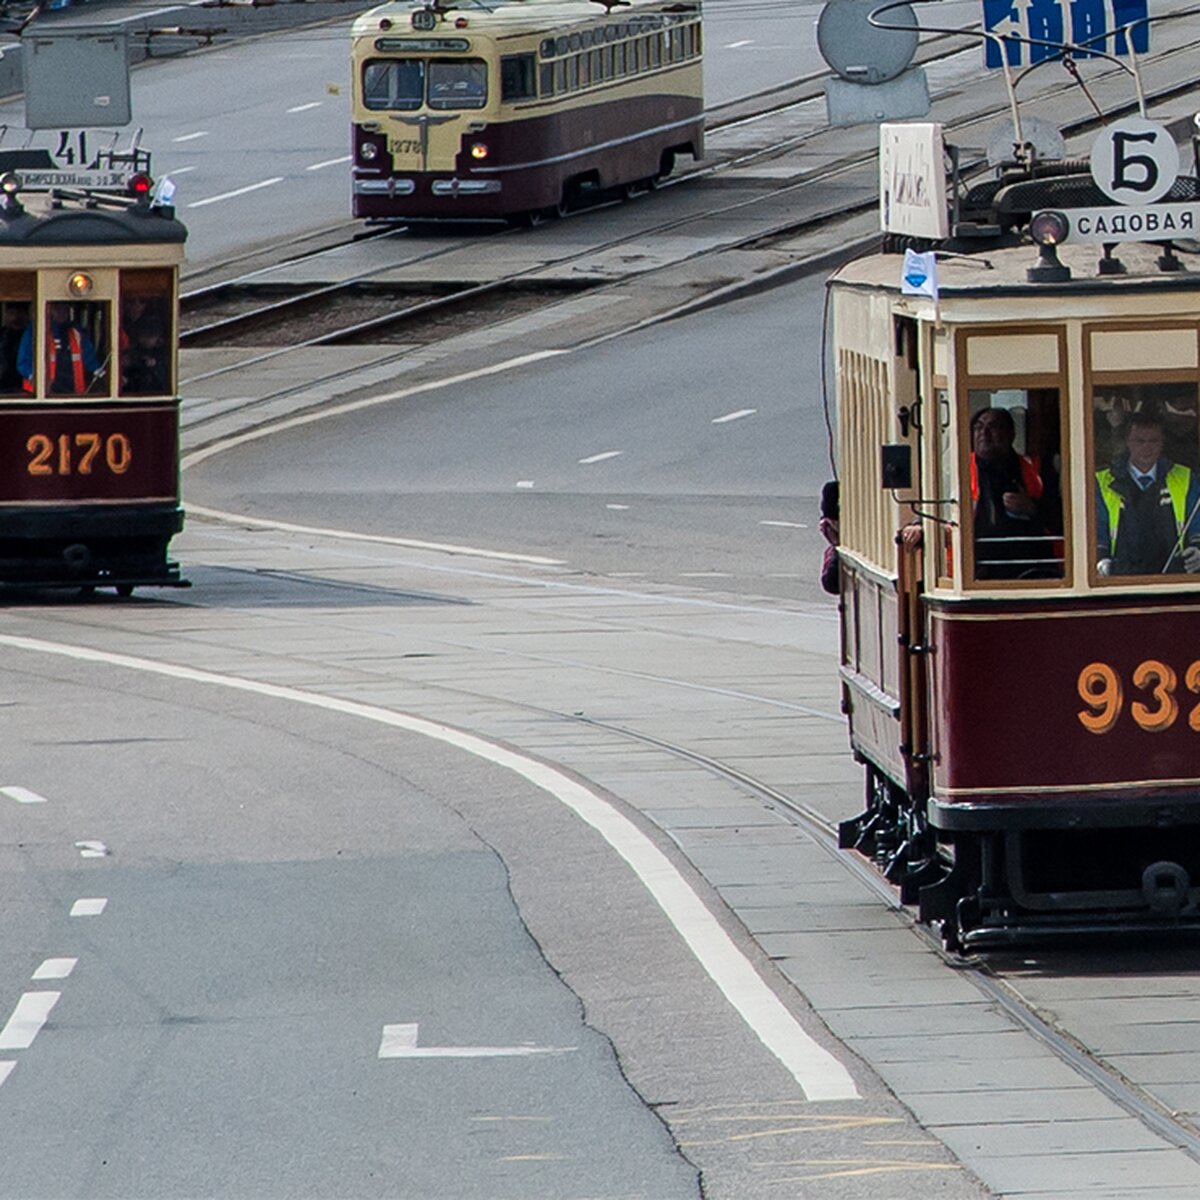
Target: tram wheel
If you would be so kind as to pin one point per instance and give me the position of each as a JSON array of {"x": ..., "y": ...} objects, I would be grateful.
[{"x": 124, "y": 590}]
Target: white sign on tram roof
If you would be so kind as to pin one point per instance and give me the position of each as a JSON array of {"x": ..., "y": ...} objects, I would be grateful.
[{"x": 912, "y": 180}]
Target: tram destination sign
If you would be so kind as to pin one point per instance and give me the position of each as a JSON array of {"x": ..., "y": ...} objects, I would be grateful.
[
  {"x": 1129, "y": 223},
  {"x": 43, "y": 180}
]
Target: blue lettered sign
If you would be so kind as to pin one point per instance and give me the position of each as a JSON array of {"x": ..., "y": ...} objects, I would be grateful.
[{"x": 1095, "y": 24}]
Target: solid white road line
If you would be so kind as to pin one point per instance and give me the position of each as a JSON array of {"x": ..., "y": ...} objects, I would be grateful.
[
  {"x": 89, "y": 906},
  {"x": 305, "y": 107},
  {"x": 55, "y": 968},
  {"x": 6, "y": 1070},
  {"x": 400, "y": 1041},
  {"x": 379, "y": 539},
  {"x": 595, "y": 458},
  {"x": 329, "y": 162},
  {"x": 22, "y": 795},
  {"x": 236, "y": 192},
  {"x": 818, "y": 1072},
  {"x": 27, "y": 1020},
  {"x": 734, "y": 416}
]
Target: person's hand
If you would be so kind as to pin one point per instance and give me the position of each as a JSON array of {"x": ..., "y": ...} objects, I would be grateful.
[
  {"x": 1018, "y": 504},
  {"x": 1104, "y": 568},
  {"x": 912, "y": 535},
  {"x": 1191, "y": 559},
  {"x": 829, "y": 530}
]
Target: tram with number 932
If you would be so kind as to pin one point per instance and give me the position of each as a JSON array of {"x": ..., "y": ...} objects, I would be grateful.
[
  {"x": 89, "y": 414},
  {"x": 1019, "y": 458}
]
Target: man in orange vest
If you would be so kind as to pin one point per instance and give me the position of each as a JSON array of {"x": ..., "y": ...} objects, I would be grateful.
[
  {"x": 1008, "y": 492},
  {"x": 71, "y": 361}
]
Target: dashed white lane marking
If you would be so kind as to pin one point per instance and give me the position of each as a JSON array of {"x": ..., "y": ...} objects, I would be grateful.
[
  {"x": 89, "y": 906},
  {"x": 784, "y": 524},
  {"x": 819, "y": 1074},
  {"x": 27, "y": 1020},
  {"x": 617, "y": 507},
  {"x": 55, "y": 968},
  {"x": 305, "y": 107},
  {"x": 595, "y": 458},
  {"x": 329, "y": 162},
  {"x": 182, "y": 170},
  {"x": 6, "y": 1070},
  {"x": 191, "y": 137},
  {"x": 253, "y": 187},
  {"x": 22, "y": 795},
  {"x": 739, "y": 45},
  {"x": 400, "y": 1041},
  {"x": 524, "y": 483},
  {"x": 92, "y": 849},
  {"x": 704, "y": 575},
  {"x": 734, "y": 416}
]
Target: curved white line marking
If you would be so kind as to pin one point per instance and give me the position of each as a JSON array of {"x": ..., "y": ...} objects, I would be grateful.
[
  {"x": 819, "y": 1073},
  {"x": 346, "y": 535}
]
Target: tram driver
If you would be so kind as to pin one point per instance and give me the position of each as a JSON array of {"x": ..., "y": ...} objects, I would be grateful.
[
  {"x": 1013, "y": 499},
  {"x": 71, "y": 360},
  {"x": 1147, "y": 507}
]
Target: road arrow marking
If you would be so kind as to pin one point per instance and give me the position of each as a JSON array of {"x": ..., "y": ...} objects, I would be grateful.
[{"x": 400, "y": 1041}]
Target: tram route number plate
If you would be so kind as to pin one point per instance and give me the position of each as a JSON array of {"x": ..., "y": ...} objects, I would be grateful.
[{"x": 81, "y": 454}]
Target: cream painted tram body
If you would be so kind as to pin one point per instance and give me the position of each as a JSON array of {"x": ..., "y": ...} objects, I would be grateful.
[
  {"x": 518, "y": 109},
  {"x": 1027, "y": 711}
]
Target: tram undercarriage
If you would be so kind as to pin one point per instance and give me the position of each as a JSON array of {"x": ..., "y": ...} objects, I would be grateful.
[{"x": 1133, "y": 868}]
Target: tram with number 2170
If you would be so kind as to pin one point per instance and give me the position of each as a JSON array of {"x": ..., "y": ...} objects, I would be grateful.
[
  {"x": 1019, "y": 451},
  {"x": 89, "y": 414},
  {"x": 519, "y": 110}
]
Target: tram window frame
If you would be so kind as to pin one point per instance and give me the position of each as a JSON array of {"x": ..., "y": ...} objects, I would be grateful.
[
  {"x": 1046, "y": 418},
  {"x": 477, "y": 77},
  {"x": 146, "y": 355},
  {"x": 394, "y": 65},
  {"x": 945, "y": 453},
  {"x": 18, "y": 293},
  {"x": 518, "y": 77},
  {"x": 1172, "y": 394}
]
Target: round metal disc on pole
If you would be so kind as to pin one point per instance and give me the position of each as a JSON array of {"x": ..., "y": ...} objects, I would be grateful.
[{"x": 859, "y": 51}]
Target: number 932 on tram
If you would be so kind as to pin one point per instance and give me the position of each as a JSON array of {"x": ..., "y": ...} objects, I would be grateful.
[
  {"x": 89, "y": 415},
  {"x": 1019, "y": 459}
]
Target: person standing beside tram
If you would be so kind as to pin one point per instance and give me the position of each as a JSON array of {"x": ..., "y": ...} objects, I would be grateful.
[
  {"x": 71, "y": 360},
  {"x": 1147, "y": 507}
]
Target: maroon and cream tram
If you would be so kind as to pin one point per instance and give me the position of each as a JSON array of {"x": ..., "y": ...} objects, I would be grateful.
[
  {"x": 516, "y": 109},
  {"x": 1020, "y": 541},
  {"x": 89, "y": 414}
]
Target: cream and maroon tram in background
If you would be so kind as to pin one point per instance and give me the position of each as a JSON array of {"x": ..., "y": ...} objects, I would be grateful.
[
  {"x": 1020, "y": 603},
  {"x": 519, "y": 108},
  {"x": 89, "y": 415}
]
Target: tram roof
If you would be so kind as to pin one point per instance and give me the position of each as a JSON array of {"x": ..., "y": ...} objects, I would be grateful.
[
  {"x": 1003, "y": 272},
  {"x": 531, "y": 15},
  {"x": 82, "y": 226}
]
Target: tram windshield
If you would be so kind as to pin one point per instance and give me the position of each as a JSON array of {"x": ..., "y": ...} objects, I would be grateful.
[
  {"x": 75, "y": 349},
  {"x": 404, "y": 85},
  {"x": 1146, "y": 462},
  {"x": 1015, "y": 515},
  {"x": 146, "y": 337}
]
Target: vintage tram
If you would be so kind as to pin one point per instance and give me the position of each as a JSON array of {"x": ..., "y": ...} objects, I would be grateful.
[
  {"x": 89, "y": 415},
  {"x": 518, "y": 109},
  {"x": 1020, "y": 544}
]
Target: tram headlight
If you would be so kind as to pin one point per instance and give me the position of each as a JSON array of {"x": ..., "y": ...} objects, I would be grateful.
[
  {"x": 10, "y": 183},
  {"x": 1049, "y": 228},
  {"x": 479, "y": 150},
  {"x": 80, "y": 284},
  {"x": 368, "y": 151}
]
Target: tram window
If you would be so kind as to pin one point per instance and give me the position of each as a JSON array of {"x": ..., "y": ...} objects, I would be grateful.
[
  {"x": 146, "y": 334},
  {"x": 459, "y": 83},
  {"x": 517, "y": 80},
  {"x": 596, "y": 66},
  {"x": 15, "y": 317},
  {"x": 607, "y": 69},
  {"x": 581, "y": 65},
  {"x": 76, "y": 349},
  {"x": 619, "y": 59},
  {"x": 572, "y": 73},
  {"x": 1015, "y": 512},
  {"x": 394, "y": 84},
  {"x": 655, "y": 51},
  {"x": 1146, "y": 447},
  {"x": 547, "y": 81}
]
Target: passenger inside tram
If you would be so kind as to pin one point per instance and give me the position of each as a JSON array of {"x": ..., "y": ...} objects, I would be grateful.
[
  {"x": 1015, "y": 498},
  {"x": 72, "y": 363},
  {"x": 1147, "y": 502},
  {"x": 14, "y": 320}
]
